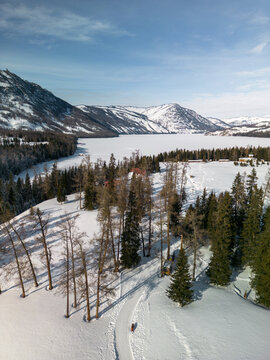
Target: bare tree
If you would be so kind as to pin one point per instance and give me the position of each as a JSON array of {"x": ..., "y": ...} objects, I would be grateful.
[
  {"x": 168, "y": 192},
  {"x": 121, "y": 209},
  {"x": 19, "y": 230},
  {"x": 160, "y": 207},
  {"x": 70, "y": 230},
  {"x": 64, "y": 283},
  {"x": 105, "y": 218},
  {"x": 149, "y": 205},
  {"x": 5, "y": 227},
  {"x": 102, "y": 260},
  {"x": 84, "y": 285},
  {"x": 41, "y": 224}
]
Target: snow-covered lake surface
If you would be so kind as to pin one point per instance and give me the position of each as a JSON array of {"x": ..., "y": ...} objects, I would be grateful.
[{"x": 125, "y": 145}]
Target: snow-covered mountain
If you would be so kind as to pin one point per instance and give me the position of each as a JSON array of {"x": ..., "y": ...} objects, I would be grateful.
[
  {"x": 123, "y": 120},
  {"x": 177, "y": 119},
  {"x": 219, "y": 122},
  {"x": 169, "y": 118},
  {"x": 26, "y": 105},
  {"x": 247, "y": 125}
]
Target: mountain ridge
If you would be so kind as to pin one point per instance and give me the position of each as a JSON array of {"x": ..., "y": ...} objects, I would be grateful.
[{"x": 26, "y": 105}]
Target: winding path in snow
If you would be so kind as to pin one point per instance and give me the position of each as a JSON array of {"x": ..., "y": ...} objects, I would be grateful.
[{"x": 122, "y": 329}]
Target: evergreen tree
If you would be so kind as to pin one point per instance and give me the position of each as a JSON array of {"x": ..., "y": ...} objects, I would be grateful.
[
  {"x": 180, "y": 288},
  {"x": 260, "y": 282},
  {"x": 252, "y": 227},
  {"x": 61, "y": 194},
  {"x": 131, "y": 235},
  {"x": 90, "y": 192},
  {"x": 251, "y": 182},
  {"x": 219, "y": 268},
  {"x": 211, "y": 213},
  {"x": 239, "y": 201}
]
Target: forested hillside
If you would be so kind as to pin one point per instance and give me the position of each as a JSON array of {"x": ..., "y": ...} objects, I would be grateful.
[{"x": 19, "y": 150}]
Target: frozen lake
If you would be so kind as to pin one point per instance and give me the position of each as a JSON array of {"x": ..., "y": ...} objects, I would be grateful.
[{"x": 125, "y": 145}]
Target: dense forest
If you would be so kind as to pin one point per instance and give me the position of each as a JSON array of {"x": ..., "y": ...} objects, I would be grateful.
[{"x": 19, "y": 150}]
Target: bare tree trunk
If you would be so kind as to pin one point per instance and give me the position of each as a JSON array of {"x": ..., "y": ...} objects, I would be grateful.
[
  {"x": 67, "y": 277},
  {"x": 73, "y": 263},
  {"x": 194, "y": 256},
  {"x": 103, "y": 256},
  {"x": 112, "y": 240},
  {"x": 44, "y": 242},
  {"x": 118, "y": 243},
  {"x": 86, "y": 286},
  {"x": 149, "y": 237},
  {"x": 17, "y": 261},
  {"x": 142, "y": 237},
  {"x": 98, "y": 289},
  {"x": 168, "y": 236},
  {"x": 27, "y": 254}
]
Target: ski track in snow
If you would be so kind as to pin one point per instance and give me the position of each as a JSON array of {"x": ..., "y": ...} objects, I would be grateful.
[
  {"x": 181, "y": 339},
  {"x": 122, "y": 329}
]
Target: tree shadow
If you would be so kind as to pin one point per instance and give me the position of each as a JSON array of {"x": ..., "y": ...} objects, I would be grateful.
[{"x": 200, "y": 285}]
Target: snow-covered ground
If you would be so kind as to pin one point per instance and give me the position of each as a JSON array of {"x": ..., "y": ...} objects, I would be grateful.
[
  {"x": 125, "y": 145},
  {"x": 219, "y": 324}
]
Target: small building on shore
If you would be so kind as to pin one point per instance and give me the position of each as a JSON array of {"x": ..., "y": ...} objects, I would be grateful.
[{"x": 247, "y": 159}]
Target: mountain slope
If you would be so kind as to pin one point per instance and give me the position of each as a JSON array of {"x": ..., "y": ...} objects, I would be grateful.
[
  {"x": 247, "y": 125},
  {"x": 26, "y": 105},
  {"x": 170, "y": 118},
  {"x": 177, "y": 119},
  {"x": 219, "y": 122},
  {"x": 122, "y": 120}
]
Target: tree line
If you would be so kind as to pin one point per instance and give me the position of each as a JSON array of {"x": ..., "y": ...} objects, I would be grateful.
[{"x": 19, "y": 150}]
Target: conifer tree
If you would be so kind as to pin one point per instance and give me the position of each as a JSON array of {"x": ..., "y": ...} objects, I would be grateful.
[
  {"x": 251, "y": 182},
  {"x": 130, "y": 236},
  {"x": 219, "y": 268},
  {"x": 61, "y": 194},
  {"x": 252, "y": 227},
  {"x": 90, "y": 192},
  {"x": 239, "y": 200},
  {"x": 260, "y": 282},
  {"x": 180, "y": 289}
]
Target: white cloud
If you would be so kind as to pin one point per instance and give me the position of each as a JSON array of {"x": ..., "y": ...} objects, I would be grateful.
[
  {"x": 40, "y": 21},
  {"x": 259, "y": 48}
]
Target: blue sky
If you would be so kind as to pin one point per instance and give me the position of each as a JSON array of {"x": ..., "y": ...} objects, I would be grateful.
[{"x": 211, "y": 56}]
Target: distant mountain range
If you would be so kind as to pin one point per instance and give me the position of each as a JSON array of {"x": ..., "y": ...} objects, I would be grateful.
[
  {"x": 26, "y": 105},
  {"x": 246, "y": 125},
  {"x": 163, "y": 119}
]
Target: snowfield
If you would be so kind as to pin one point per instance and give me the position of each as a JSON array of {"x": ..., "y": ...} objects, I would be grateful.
[{"x": 219, "y": 324}]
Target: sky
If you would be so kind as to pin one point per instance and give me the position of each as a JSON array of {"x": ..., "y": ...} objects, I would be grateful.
[{"x": 212, "y": 56}]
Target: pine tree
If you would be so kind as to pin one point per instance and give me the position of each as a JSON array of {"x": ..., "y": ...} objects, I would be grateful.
[
  {"x": 61, "y": 195},
  {"x": 219, "y": 268},
  {"x": 130, "y": 235},
  {"x": 90, "y": 193},
  {"x": 239, "y": 200},
  {"x": 251, "y": 182},
  {"x": 260, "y": 282},
  {"x": 180, "y": 288},
  {"x": 251, "y": 227}
]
